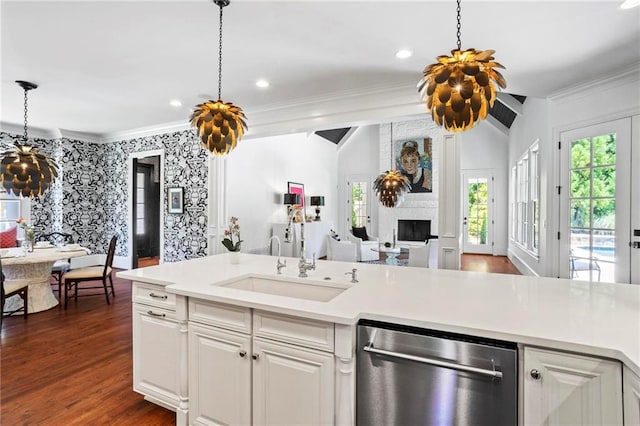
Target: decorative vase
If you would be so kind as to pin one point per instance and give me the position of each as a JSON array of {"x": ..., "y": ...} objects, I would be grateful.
[{"x": 234, "y": 257}]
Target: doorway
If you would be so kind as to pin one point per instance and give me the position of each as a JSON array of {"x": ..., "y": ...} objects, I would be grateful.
[
  {"x": 358, "y": 212},
  {"x": 599, "y": 203},
  {"x": 146, "y": 211},
  {"x": 478, "y": 220}
]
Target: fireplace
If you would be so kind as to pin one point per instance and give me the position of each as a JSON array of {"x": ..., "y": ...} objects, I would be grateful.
[{"x": 414, "y": 230}]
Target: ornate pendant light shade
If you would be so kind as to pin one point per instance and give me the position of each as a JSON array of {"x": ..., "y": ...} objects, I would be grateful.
[
  {"x": 460, "y": 88},
  {"x": 391, "y": 185},
  {"x": 390, "y": 188},
  {"x": 24, "y": 170},
  {"x": 220, "y": 124}
]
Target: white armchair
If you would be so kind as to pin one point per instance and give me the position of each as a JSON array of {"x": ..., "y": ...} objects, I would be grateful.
[
  {"x": 419, "y": 255},
  {"x": 344, "y": 251},
  {"x": 364, "y": 252}
]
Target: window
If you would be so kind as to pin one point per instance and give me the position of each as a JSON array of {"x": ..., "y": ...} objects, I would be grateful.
[
  {"x": 525, "y": 205},
  {"x": 359, "y": 201}
]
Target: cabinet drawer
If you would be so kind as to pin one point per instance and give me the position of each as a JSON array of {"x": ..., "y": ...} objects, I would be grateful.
[
  {"x": 154, "y": 295},
  {"x": 234, "y": 318},
  {"x": 296, "y": 330}
]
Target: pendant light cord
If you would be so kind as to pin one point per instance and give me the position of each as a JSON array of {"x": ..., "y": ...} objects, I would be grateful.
[
  {"x": 25, "y": 114},
  {"x": 220, "y": 57},
  {"x": 459, "y": 27}
]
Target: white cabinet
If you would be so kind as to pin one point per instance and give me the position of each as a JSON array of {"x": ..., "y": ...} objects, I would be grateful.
[
  {"x": 569, "y": 389},
  {"x": 160, "y": 348},
  {"x": 220, "y": 382},
  {"x": 631, "y": 392},
  {"x": 244, "y": 372}
]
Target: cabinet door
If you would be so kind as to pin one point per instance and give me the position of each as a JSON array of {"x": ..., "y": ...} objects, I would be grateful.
[
  {"x": 631, "y": 391},
  {"x": 291, "y": 385},
  {"x": 159, "y": 354},
  {"x": 571, "y": 389},
  {"x": 219, "y": 376}
]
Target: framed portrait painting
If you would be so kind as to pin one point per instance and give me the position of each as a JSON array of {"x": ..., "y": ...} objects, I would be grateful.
[
  {"x": 175, "y": 200},
  {"x": 414, "y": 159},
  {"x": 298, "y": 188}
]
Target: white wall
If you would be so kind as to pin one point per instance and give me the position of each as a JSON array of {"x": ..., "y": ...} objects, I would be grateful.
[
  {"x": 257, "y": 174},
  {"x": 358, "y": 155},
  {"x": 486, "y": 148}
]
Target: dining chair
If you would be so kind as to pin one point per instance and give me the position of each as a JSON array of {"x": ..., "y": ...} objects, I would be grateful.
[
  {"x": 11, "y": 289},
  {"x": 419, "y": 255},
  {"x": 74, "y": 277},
  {"x": 61, "y": 266}
]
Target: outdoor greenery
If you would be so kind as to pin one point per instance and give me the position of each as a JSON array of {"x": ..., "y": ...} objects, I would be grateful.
[
  {"x": 593, "y": 182},
  {"x": 477, "y": 215},
  {"x": 358, "y": 200}
]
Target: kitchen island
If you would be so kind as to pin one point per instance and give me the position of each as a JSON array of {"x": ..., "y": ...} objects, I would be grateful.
[{"x": 590, "y": 319}]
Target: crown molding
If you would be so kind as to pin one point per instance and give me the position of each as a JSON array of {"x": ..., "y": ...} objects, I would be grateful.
[
  {"x": 626, "y": 75},
  {"x": 33, "y": 132},
  {"x": 160, "y": 129}
]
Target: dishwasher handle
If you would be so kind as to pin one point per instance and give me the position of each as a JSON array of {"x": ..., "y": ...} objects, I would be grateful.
[{"x": 495, "y": 374}]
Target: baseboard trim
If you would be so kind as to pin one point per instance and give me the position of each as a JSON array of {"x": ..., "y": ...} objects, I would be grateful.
[{"x": 521, "y": 265}]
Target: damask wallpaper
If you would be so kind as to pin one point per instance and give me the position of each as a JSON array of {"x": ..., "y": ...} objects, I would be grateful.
[{"x": 89, "y": 199}]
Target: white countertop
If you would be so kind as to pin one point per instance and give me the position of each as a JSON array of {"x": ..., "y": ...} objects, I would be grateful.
[{"x": 592, "y": 318}]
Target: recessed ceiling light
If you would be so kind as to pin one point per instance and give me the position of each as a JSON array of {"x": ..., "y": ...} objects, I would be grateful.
[
  {"x": 628, "y": 4},
  {"x": 262, "y": 84},
  {"x": 175, "y": 103},
  {"x": 403, "y": 54}
]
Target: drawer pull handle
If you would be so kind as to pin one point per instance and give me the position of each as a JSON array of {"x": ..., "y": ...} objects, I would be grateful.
[
  {"x": 158, "y": 296},
  {"x": 255, "y": 357},
  {"x": 242, "y": 354},
  {"x": 153, "y": 314}
]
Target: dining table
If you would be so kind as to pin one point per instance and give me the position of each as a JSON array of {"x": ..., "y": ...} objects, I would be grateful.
[{"x": 34, "y": 269}]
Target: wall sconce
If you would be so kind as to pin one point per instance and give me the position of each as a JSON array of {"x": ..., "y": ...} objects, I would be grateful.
[
  {"x": 290, "y": 199},
  {"x": 317, "y": 201}
]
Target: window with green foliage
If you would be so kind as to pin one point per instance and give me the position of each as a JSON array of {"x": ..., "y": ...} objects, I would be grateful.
[
  {"x": 525, "y": 203},
  {"x": 359, "y": 195}
]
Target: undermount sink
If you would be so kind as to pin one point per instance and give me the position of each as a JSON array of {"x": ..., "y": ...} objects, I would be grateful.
[{"x": 309, "y": 290}]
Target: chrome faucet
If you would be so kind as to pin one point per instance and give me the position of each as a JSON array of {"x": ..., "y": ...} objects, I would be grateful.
[
  {"x": 303, "y": 265},
  {"x": 354, "y": 278},
  {"x": 279, "y": 264}
]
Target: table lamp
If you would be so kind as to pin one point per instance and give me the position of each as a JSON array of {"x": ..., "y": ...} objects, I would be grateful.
[
  {"x": 289, "y": 199},
  {"x": 317, "y": 201}
]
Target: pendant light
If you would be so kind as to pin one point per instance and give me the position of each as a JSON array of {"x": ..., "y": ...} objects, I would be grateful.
[
  {"x": 220, "y": 124},
  {"x": 391, "y": 185},
  {"x": 24, "y": 170},
  {"x": 460, "y": 89}
]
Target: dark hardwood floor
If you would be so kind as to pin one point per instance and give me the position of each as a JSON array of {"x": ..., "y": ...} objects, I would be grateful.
[{"x": 74, "y": 367}]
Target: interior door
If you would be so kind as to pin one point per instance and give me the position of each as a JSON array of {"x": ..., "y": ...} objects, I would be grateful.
[
  {"x": 596, "y": 203},
  {"x": 146, "y": 217},
  {"x": 478, "y": 212}
]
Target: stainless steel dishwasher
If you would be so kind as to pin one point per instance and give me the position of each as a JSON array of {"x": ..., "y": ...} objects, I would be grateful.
[{"x": 411, "y": 376}]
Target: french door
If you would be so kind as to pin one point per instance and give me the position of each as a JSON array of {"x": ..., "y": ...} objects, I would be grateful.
[
  {"x": 599, "y": 203},
  {"x": 359, "y": 195},
  {"x": 478, "y": 212}
]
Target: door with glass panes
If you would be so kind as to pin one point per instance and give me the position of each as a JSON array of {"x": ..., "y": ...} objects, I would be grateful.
[
  {"x": 358, "y": 212},
  {"x": 478, "y": 212},
  {"x": 599, "y": 203}
]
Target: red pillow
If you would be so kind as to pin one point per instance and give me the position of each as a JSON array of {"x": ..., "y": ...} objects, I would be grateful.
[{"x": 8, "y": 237}]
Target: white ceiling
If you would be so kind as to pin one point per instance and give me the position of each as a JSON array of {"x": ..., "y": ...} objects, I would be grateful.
[{"x": 108, "y": 67}]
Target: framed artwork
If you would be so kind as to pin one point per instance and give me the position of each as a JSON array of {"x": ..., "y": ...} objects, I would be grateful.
[
  {"x": 414, "y": 159},
  {"x": 298, "y": 188},
  {"x": 176, "y": 200}
]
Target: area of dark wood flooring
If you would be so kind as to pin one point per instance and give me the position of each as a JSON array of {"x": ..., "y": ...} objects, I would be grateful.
[{"x": 74, "y": 367}]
